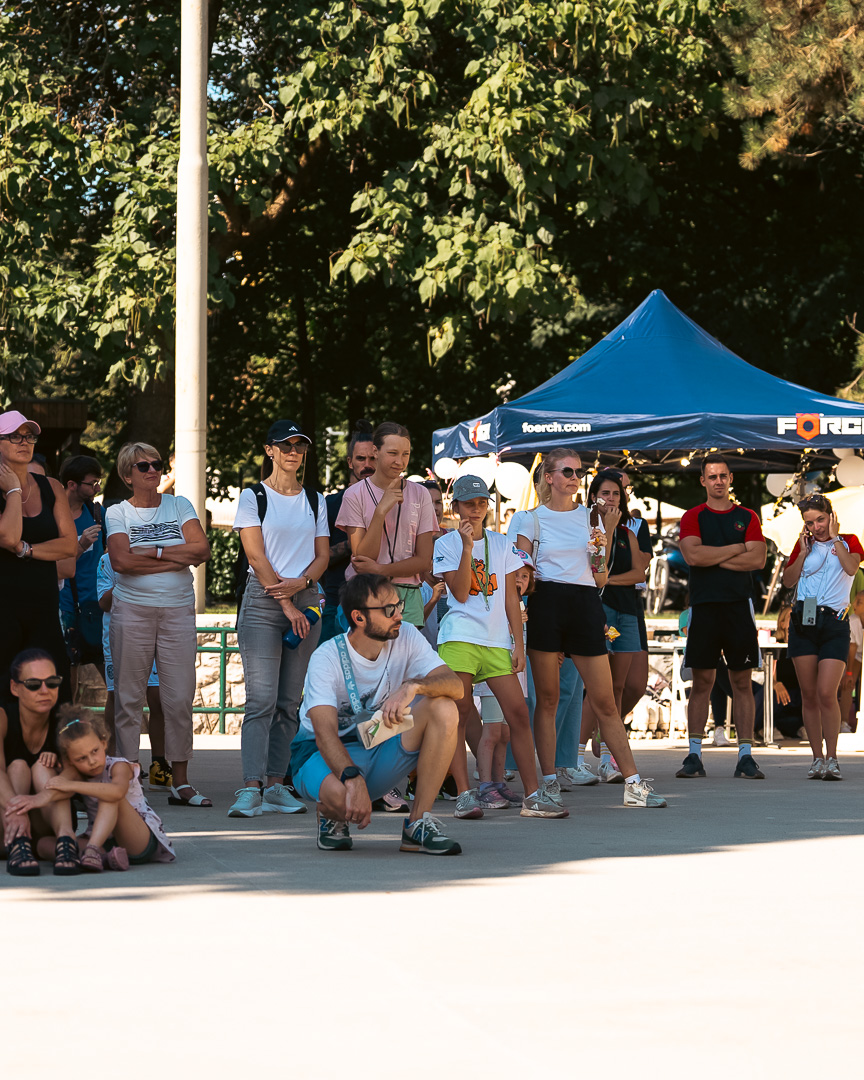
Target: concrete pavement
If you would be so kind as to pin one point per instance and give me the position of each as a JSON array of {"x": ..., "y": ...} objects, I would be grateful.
[{"x": 717, "y": 936}]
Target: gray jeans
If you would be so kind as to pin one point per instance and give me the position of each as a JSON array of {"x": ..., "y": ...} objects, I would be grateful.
[{"x": 274, "y": 676}]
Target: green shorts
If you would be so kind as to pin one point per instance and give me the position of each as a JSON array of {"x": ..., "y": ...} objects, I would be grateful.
[
  {"x": 413, "y": 598},
  {"x": 479, "y": 661}
]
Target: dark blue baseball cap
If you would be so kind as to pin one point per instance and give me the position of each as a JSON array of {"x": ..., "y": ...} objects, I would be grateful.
[{"x": 281, "y": 430}]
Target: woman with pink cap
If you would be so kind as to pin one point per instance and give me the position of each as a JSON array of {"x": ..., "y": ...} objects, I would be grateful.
[{"x": 36, "y": 529}]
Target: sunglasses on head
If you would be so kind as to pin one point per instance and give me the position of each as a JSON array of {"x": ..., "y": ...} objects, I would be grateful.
[
  {"x": 52, "y": 682},
  {"x": 146, "y": 466},
  {"x": 569, "y": 473},
  {"x": 388, "y": 609}
]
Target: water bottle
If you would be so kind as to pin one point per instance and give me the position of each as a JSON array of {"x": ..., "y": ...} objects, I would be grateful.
[{"x": 289, "y": 638}]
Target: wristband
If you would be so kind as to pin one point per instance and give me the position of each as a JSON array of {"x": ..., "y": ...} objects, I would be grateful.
[
  {"x": 159, "y": 552},
  {"x": 26, "y": 551},
  {"x": 18, "y": 489}
]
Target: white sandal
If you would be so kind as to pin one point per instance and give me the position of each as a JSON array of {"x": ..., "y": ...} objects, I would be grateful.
[{"x": 197, "y": 799}]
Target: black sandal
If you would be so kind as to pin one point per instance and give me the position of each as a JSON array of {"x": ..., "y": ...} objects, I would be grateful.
[
  {"x": 66, "y": 851},
  {"x": 19, "y": 852}
]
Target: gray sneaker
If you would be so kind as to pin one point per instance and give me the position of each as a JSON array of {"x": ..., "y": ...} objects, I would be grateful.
[
  {"x": 817, "y": 769},
  {"x": 492, "y": 799},
  {"x": 552, "y": 790},
  {"x": 468, "y": 805},
  {"x": 832, "y": 769},
  {"x": 541, "y": 805},
  {"x": 610, "y": 773},
  {"x": 583, "y": 776},
  {"x": 247, "y": 803},
  {"x": 565, "y": 782},
  {"x": 277, "y": 800},
  {"x": 642, "y": 794}
]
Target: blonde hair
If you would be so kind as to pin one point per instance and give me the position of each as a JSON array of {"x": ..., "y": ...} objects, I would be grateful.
[
  {"x": 74, "y": 723},
  {"x": 129, "y": 454},
  {"x": 547, "y": 465}
]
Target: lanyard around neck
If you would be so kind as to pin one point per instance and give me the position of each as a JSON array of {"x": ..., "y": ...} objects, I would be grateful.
[
  {"x": 398, "y": 518},
  {"x": 484, "y": 584}
]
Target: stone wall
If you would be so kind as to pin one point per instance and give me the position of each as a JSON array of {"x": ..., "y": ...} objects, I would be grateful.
[{"x": 92, "y": 689}]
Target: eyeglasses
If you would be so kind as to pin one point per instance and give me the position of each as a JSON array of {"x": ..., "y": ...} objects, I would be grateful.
[
  {"x": 569, "y": 473},
  {"x": 52, "y": 682},
  {"x": 146, "y": 466},
  {"x": 90, "y": 483},
  {"x": 293, "y": 447},
  {"x": 16, "y": 438},
  {"x": 388, "y": 609}
]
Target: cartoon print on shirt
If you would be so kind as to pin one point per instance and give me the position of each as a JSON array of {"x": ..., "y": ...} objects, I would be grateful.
[{"x": 481, "y": 580}]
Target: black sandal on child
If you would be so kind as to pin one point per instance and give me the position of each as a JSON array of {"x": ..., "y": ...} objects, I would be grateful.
[
  {"x": 66, "y": 852},
  {"x": 18, "y": 855}
]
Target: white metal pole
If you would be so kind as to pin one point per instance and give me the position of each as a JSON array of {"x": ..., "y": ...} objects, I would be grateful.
[{"x": 190, "y": 423}]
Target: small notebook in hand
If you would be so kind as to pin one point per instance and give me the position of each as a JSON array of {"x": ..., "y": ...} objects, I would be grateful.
[{"x": 374, "y": 731}]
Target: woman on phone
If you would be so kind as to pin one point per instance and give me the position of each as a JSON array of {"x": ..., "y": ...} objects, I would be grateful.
[
  {"x": 565, "y": 615},
  {"x": 822, "y": 565}
]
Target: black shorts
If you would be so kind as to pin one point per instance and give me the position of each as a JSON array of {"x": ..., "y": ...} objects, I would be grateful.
[
  {"x": 643, "y": 632},
  {"x": 729, "y": 629},
  {"x": 566, "y": 618},
  {"x": 827, "y": 640}
]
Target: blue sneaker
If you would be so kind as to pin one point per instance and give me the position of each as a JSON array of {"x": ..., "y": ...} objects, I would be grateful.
[
  {"x": 333, "y": 835},
  {"x": 426, "y": 837}
]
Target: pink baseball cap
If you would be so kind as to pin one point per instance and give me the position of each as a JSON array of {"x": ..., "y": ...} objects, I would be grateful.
[{"x": 12, "y": 420}]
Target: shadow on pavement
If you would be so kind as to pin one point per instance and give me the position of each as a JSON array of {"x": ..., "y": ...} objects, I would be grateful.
[{"x": 277, "y": 853}]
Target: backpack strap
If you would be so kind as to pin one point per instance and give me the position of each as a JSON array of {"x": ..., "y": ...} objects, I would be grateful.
[
  {"x": 535, "y": 544},
  {"x": 261, "y": 500},
  {"x": 314, "y": 499}
]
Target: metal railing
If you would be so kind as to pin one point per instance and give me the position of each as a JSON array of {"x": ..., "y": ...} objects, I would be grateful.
[{"x": 223, "y": 648}]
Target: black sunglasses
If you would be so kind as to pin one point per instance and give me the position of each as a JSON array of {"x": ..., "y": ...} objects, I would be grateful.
[
  {"x": 52, "y": 682},
  {"x": 388, "y": 609},
  {"x": 569, "y": 473},
  {"x": 146, "y": 466}
]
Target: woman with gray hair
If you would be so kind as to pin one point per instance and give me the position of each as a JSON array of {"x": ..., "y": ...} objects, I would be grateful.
[{"x": 153, "y": 542}]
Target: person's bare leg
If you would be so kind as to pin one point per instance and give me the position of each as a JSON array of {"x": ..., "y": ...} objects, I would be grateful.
[
  {"x": 473, "y": 728},
  {"x": 830, "y": 673},
  {"x": 620, "y": 664},
  {"x": 700, "y": 699},
  {"x": 636, "y": 684},
  {"x": 507, "y": 690},
  {"x": 743, "y": 705},
  {"x": 486, "y": 751},
  {"x": 131, "y": 831},
  {"x": 459, "y": 764},
  {"x": 436, "y": 724},
  {"x": 545, "y": 670},
  {"x": 57, "y": 816},
  {"x": 806, "y": 668},
  {"x": 499, "y": 757},
  {"x": 597, "y": 676},
  {"x": 103, "y": 824}
]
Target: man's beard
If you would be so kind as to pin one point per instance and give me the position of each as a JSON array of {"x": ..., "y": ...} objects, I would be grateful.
[{"x": 383, "y": 635}]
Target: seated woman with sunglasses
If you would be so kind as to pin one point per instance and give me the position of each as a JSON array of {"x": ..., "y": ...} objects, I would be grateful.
[
  {"x": 823, "y": 564},
  {"x": 36, "y": 530},
  {"x": 153, "y": 542},
  {"x": 565, "y": 615},
  {"x": 28, "y": 760}
]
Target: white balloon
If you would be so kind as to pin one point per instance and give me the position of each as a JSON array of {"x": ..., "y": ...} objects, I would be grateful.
[
  {"x": 850, "y": 471},
  {"x": 445, "y": 468},
  {"x": 842, "y": 453},
  {"x": 483, "y": 467},
  {"x": 511, "y": 479},
  {"x": 776, "y": 483}
]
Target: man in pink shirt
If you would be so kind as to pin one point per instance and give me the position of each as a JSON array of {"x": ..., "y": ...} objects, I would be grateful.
[{"x": 390, "y": 521}]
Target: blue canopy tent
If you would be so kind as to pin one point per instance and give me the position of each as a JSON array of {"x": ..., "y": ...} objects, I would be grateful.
[{"x": 674, "y": 389}]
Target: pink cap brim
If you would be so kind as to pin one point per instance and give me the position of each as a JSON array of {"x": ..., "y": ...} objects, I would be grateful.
[{"x": 12, "y": 420}]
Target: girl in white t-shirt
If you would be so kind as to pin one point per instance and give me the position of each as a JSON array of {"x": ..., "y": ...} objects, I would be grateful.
[
  {"x": 475, "y": 636},
  {"x": 565, "y": 615},
  {"x": 823, "y": 564},
  {"x": 288, "y": 551}
]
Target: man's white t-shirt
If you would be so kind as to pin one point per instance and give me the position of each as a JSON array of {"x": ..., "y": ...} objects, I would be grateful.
[
  {"x": 409, "y": 656},
  {"x": 147, "y": 526},
  {"x": 470, "y": 621},
  {"x": 563, "y": 551},
  {"x": 289, "y": 529}
]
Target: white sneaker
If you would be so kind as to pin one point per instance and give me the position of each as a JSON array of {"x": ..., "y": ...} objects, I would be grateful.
[
  {"x": 551, "y": 790},
  {"x": 278, "y": 800},
  {"x": 642, "y": 794},
  {"x": 509, "y": 775},
  {"x": 248, "y": 803},
  {"x": 540, "y": 805},
  {"x": 832, "y": 769},
  {"x": 817, "y": 769},
  {"x": 609, "y": 774},
  {"x": 468, "y": 805},
  {"x": 565, "y": 783},
  {"x": 720, "y": 737},
  {"x": 583, "y": 776}
]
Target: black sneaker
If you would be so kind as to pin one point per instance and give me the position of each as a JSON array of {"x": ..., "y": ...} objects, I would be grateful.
[
  {"x": 449, "y": 791},
  {"x": 748, "y": 769},
  {"x": 692, "y": 766},
  {"x": 410, "y": 789}
]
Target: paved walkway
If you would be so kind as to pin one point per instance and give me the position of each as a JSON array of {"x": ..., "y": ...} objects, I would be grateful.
[{"x": 715, "y": 937}]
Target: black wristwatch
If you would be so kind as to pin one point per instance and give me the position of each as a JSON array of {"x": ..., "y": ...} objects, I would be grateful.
[{"x": 351, "y": 773}]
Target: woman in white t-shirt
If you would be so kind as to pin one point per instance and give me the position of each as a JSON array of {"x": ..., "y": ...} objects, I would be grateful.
[
  {"x": 288, "y": 552},
  {"x": 565, "y": 615},
  {"x": 823, "y": 565},
  {"x": 153, "y": 542},
  {"x": 475, "y": 639}
]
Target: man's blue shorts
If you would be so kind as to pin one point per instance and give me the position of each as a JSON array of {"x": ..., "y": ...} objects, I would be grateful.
[{"x": 382, "y": 768}]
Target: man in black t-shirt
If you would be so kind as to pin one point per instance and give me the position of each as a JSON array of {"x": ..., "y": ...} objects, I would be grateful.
[{"x": 723, "y": 544}]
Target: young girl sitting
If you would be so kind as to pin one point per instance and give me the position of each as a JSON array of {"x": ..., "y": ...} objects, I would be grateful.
[{"x": 119, "y": 816}]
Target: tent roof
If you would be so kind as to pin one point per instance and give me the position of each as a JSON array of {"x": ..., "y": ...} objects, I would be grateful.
[{"x": 659, "y": 383}]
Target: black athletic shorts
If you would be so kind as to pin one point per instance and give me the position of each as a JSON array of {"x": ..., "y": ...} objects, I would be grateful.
[
  {"x": 566, "y": 618},
  {"x": 729, "y": 629},
  {"x": 827, "y": 640}
]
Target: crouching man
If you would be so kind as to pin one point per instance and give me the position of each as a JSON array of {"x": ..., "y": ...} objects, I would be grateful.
[{"x": 383, "y": 664}]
